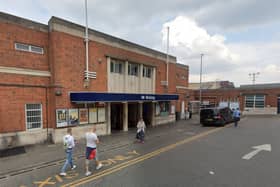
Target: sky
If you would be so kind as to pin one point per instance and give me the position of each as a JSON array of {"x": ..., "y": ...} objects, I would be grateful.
[{"x": 237, "y": 37}]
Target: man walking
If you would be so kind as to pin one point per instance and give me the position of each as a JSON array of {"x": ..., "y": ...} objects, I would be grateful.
[
  {"x": 91, "y": 149},
  {"x": 236, "y": 116},
  {"x": 69, "y": 144}
]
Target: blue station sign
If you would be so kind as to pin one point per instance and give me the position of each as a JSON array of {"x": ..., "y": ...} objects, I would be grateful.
[{"x": 91, "y": 97}]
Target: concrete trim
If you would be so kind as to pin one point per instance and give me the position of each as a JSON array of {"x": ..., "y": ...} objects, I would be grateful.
[
  {"x": 8, "y": 18},
  {"x": 186, "y": 67},
  {"x": 22, "y": 138},
  {"x": 60, "y": 25},
  {"x": 182, "y": 87},
  {"x": 24, "y": 71},
  {"x": 130, "y": 60}
]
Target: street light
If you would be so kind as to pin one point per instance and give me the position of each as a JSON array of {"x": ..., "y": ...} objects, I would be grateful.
[
  {"x": 254, "y": 75},
  {"x": 200, "y": 86}
]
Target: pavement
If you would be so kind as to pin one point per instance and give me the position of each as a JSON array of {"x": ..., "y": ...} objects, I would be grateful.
[
  {"x": 44, "y": 155},
  {"x": 176, "y": 154}
]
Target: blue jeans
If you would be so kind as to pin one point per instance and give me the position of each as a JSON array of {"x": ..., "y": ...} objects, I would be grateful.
[
  {"x": 236, "y": 119},
  {"x": 69, "y": 153}
]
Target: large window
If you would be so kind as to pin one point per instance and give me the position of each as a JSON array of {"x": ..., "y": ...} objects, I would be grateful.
[
  {"x": 254, "y": 101},
  {"x": 147, "y": 72},
  {"x": 116, "y": 66},
  {"x": 33, "y": 114},
  {"x": 162, "y": 108},
  {"x": 29, "y": 48},
  {"x": 133, "y": 69}
]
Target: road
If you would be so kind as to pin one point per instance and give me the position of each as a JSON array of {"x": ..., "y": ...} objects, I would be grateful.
[{"x": 181, "y": 156}]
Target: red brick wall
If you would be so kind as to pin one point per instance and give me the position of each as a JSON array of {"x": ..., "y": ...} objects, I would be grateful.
[
  {"x": 9, "y": 34},
  {"x": 12, "y": 108},
  {"x": 181, "y": 77},
  {"x": 271, "y": 95},
  {"x": 68, "y": 64},
  {"x": 14, "y": 97}
]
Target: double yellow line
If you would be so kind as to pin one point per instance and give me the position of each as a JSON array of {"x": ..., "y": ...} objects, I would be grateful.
[{"x": 139, "y": 159}]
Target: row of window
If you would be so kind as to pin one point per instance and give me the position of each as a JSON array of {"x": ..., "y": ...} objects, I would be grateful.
[
  {"x": 117, "y": 66},
  {"x": 29, "y": 48}
]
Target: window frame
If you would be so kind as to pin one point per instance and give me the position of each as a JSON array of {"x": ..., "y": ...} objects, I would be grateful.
[
  {"x": 147, "y": 72},
  {"x": 114, "y": 63},
  {"x": 131, "y": 69},
  {"x": 255, "y": 100},
  {"x": 29, "y": 48},
  {"x": 26, "y": 117}
]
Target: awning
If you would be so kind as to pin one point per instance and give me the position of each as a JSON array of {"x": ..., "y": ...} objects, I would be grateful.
[{"x": 91, "y": 97}]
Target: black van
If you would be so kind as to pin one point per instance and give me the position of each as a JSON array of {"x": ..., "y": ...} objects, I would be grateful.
[{"x": 216, "y": 116}]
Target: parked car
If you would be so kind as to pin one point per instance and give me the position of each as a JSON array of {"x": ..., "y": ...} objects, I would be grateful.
[{"x": 216, "y": 116}]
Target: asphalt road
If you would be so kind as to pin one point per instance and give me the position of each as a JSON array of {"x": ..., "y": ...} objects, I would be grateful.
[{"x": 180, "y": 156}]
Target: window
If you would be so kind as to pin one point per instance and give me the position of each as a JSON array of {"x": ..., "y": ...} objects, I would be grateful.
[
  {"x": 254, "y": 101},
  {"x": 133, "y": 69},
  {"x": 116, "y": 66},
  {"x": 29, "y": 48},
  {"x": 33, "y": 114},
  {"x": 147, "y": 72},
  {"x": 162, "y": 108}
]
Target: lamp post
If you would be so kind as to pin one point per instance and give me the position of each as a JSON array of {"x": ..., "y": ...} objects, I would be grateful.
[
  {"x": 200, "y": 86},
  {"x": 254, "y": 75},
  {"x": 86, "y": 80}
]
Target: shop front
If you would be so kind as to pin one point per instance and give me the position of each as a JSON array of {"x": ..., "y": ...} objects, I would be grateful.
[{"x": 123, "y": 110}]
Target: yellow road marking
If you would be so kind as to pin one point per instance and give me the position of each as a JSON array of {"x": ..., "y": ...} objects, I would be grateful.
[
  {"x": 45, "y": 182},
  {"x": 139, "y": 159},
  {"x": 58, "y": 178}
]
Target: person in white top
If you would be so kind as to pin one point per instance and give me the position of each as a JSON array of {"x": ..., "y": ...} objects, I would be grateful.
[
  {"x": 141, "y": 130},
  {"x": 69, "y": 144},
  {"x": 91, "y": 149}
]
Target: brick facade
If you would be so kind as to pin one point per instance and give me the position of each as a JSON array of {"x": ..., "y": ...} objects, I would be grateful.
[{"x": 28, "y": 77}]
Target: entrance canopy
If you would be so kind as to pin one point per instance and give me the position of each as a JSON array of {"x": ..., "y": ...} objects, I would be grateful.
[{"x": 91, "y": 97}]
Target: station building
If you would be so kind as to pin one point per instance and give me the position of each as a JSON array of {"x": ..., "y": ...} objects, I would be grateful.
[
  {"x": 44, "y": 86},
  {"x": 257, "y": 99}
]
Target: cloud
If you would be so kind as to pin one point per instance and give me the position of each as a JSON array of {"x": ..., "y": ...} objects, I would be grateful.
[
  {"x": 238, "y": 14},
  {"x": 197, "y": 26},
  {"x": 221, "y": 61},
  {"x": 188, "y": 41}
]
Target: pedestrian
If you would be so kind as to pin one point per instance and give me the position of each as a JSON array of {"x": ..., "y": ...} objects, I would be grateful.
[
  {"x": 69, "y": 144},
  {"x": 190, "y": 112},
  {"x": 91, "y": 150},
  {"x": 236, "y": 116},
  {"x": 141, "y": 130}
]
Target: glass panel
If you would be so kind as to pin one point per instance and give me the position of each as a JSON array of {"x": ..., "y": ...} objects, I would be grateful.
[
  {"x": 112, "y": 67},
  {"x": 149, "y": 73},
  {"x": 249, "y": 104},
  {"x": 23, "y": 47},
  {"x": 37, "y": 49},
  {"x": 259, "y": 104}
]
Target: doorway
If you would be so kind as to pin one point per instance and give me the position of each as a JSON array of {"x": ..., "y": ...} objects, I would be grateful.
[
  {"x": 116, "y": 117},
  {"x": 148, "y": 113},
  {"x": 133, "y": 114}
]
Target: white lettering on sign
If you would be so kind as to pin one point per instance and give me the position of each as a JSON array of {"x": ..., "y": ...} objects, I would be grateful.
[{"x": 148, "y": 97}]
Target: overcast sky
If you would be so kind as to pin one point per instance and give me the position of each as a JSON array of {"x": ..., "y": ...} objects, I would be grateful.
[{"x": 238, "y": 37}]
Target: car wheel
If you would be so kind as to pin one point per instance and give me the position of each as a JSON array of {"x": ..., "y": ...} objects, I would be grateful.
[{"x": 223, "y": 123}]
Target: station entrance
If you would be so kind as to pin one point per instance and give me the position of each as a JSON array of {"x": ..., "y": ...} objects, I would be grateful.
[
  {"x": 116, "y": 117},
  {"x": 133, "y": 114},
  {"x": 148, "y": 113}
]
